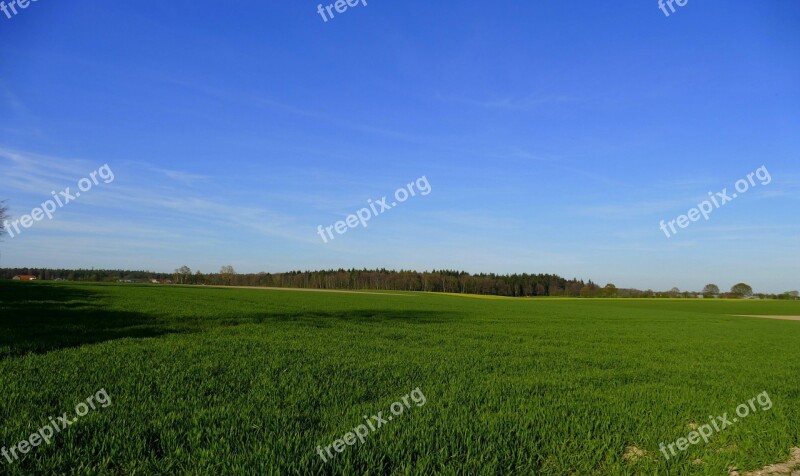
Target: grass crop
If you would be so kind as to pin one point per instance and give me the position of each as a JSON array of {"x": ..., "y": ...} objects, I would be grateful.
[{"x": 248, "y": 381}]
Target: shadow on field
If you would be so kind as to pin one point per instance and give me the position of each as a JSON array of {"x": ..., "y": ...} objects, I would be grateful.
[
  {"x": 42, "y": 317},
  {"x": 359, "y": 316}
]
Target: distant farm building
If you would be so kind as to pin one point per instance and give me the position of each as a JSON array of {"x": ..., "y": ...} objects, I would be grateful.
[{"x": 24, "y": 277}]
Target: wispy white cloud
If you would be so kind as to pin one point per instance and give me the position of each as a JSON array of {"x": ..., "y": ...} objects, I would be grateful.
[
  {"x": 142, "y": 199},
  {"x": 511, "y": 103},
  {"x": 470, "y": 220},
  {"x": 39, "y": 174},
  {"x": 187, "y": 178},
  {"x": 13, "y": 102},
  {"x": 632, "y": 209},
  {"x": 251, "y": 99}
]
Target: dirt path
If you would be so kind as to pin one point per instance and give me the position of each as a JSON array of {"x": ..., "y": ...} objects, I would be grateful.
[
  {"x": 789, "y": 468},
  {"x": 785, "y": 318}
]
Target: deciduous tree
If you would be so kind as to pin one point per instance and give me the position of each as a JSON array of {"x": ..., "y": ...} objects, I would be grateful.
[
  {"x": 3, "y": 217},
  {"x": 182, "y": 274},
  {"x": 742, "y": 290},
  {"x": 227, "y": 272},
  {"x": 710, "y": 289}
]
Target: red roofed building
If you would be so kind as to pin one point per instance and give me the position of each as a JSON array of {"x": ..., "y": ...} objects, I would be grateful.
[{"x": 24, "y": 277}]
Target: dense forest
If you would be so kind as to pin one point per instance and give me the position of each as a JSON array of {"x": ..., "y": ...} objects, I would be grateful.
[
  {"x": 516, "y": 285},
  {"x": 433, "y": 281}
]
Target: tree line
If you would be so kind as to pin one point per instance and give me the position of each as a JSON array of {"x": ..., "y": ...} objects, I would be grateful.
[
  {"x": 350, "y": 279},
  {"x": 448, "y": 281}
]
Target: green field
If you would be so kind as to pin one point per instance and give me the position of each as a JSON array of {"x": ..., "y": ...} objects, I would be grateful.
[{"x": 251, "y": 381}]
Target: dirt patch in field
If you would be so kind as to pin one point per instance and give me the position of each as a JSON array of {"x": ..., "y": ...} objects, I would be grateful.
[
  {"x": 791, "y": 467},
  {"x": 785, "y": 318},
  {"x": 632, "y": 454}
]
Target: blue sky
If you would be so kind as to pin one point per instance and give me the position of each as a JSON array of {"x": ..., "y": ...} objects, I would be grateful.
[{"x": 555, "y": 136}]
